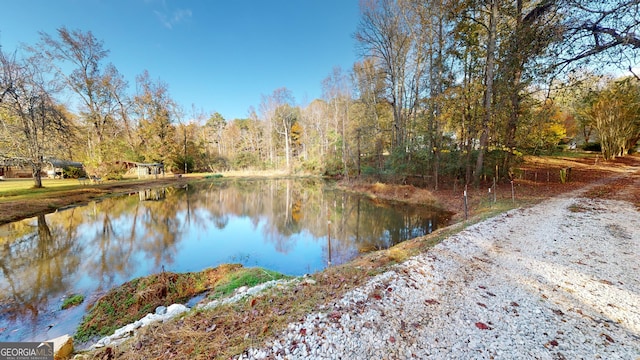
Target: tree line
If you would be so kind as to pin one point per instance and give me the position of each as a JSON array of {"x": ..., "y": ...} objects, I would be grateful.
[{"x": 443, "y": 89}]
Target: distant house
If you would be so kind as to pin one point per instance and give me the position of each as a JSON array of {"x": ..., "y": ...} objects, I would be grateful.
[
  {"x": 16, "y": 167},
  {"x": 11, "y": 168}
]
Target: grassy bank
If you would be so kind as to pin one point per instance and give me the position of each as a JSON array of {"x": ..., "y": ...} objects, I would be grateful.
[{"x": 136, "y": 298}]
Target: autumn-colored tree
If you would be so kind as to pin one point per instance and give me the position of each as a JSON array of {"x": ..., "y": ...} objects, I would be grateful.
[
  {"x": 464, "y": 110},
  {"x": 615, "y": 112},
  {"x": 156, "y": 112},
  {"x": 542, "y": 129},
  {"x": 297, "y": 144},
  {"x": 535, "y": 29},
  {"x": 189, "y": 153}
]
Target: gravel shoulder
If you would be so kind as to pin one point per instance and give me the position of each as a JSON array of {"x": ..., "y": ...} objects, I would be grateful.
[{"x": 558, "y": 280}]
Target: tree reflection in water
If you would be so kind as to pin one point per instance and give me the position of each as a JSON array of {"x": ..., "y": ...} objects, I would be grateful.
[
  {"x": 36, "y": 267},
  {"x": 291, "y": 226}
]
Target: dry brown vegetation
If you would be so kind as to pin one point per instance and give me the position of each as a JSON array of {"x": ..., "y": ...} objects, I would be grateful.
[
  {"x": 404, "y": 193},
  {"x": 539, "y": 178}
]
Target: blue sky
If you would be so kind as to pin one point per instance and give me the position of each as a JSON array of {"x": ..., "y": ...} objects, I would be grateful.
[{"x": 215, "y": 55}]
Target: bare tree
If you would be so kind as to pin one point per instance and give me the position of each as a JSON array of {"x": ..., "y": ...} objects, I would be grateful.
[
  {"x": 369, "y": 87},
  {"x": 30, "y": 120},
  {"x": 278, "y": 112},
  {"x": 286, "y": 117},
  {"x": 316, "y": 129},
  {"x": 383, "y": 34},
  {"x": 336, "y": 92},
  {"x": 601, "y": 30},
  {"x": 100, "y": 89}
]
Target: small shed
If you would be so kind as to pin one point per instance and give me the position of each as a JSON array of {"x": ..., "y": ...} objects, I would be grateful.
[
  {"x": 143, "y": 170},
  {"x": 148, "y": 170}
]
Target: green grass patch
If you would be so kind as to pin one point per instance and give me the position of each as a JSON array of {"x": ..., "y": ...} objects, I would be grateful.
[
  {"x": 138, "y": 297},
  {"x": 250, "y": 277},
  {"x": 25, "y": 187},
  {"x": 73, "y": 300}
]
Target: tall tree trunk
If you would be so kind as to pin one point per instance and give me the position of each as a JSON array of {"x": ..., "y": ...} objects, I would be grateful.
[
  {"x": 287, "y": 146},
  {"x": 37, "y": 175},
  {"x": 517, "y": 64},
  {"x": 488, "y": 93},
  {"x": 398, "y": 121},
  {"x": 344, "y": 141}
]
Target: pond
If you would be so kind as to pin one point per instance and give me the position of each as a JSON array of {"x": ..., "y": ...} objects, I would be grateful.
[{"x": 290, "y": 226}]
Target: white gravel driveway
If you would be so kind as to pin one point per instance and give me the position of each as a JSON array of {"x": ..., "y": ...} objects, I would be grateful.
[{"x": 559, "y": 280}]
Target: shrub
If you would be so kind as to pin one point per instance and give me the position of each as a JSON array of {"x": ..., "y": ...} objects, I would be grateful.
[
  {"x": 592, "y": 147},
  {"x": 114, "y": 171},
  {"x": 245, "y": 160},
  {"x": 333, "y": 167},
  {"x": 71, "y": 301},
  {"x": 73, "y": 172},
  {"x": 311, "y": 166},
  {"x": 178, "y": 163},
  {"x": 219, "y": 163}
]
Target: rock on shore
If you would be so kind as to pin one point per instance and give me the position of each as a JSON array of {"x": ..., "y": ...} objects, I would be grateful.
[{"x": 164, "y": 313}]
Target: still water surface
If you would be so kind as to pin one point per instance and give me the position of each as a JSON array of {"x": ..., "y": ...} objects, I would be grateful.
[{"x": 290, "y": 226}]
